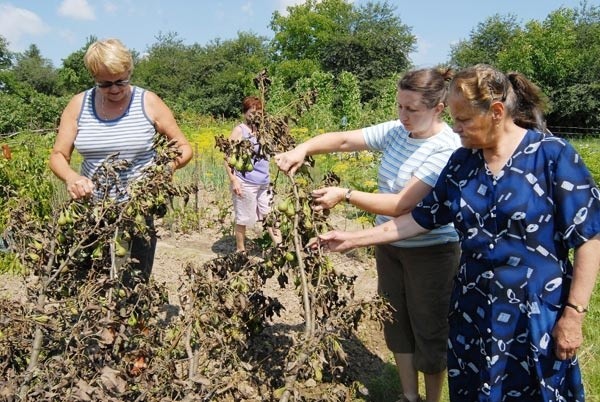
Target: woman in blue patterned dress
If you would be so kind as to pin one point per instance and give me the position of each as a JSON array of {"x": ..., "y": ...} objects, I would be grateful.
[{"x": 520, "y": 200}]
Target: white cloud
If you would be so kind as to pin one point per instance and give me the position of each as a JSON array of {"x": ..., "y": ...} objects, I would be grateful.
[
  {"x": 421, "y": 57},
  {"x": 68, "y": 36},
  {"x": 247, "y": 9},
  {"x": 76, "y": 9},
  {"x": 284, "y": 4},
  {"x": 110, "y": 7},
  {"x": 16, "y": 23}
]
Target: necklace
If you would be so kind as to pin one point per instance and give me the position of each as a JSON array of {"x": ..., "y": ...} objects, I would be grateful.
[{"x": 111, "y": 114}]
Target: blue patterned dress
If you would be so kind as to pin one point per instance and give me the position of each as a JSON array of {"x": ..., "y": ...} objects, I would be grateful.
[{"x": 516, "y": 230}]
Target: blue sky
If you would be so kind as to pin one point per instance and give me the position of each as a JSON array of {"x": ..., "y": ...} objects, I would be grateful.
[{"x": 60, "y": 27}]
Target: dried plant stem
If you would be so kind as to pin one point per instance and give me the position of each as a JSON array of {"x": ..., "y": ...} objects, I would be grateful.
[
  {"x": 39, "y": 336},
  {"x": 290, "y": 380},
  {"x": 308, "y": 316}
]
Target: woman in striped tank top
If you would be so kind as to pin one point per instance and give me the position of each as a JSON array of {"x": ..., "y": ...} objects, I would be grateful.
[
  {"x": 114, "y": 117},
  {"x": 414, "y": 275}
]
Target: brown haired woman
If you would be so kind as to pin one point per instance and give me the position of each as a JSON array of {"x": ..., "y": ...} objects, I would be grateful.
[{"x": 415, "y": 275}]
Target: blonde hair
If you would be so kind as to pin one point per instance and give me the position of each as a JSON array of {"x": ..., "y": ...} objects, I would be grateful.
[{"x": 109, "y": 54}]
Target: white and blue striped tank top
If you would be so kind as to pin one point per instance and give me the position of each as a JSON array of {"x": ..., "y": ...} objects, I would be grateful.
[
  {"x": 129, "y": 135},
  {"x": 404, "y": 157}
]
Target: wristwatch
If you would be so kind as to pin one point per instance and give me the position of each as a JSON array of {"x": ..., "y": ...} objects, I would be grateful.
[
  {"x": 347, "y": 196},
  {"x": 577, "y": 307}
]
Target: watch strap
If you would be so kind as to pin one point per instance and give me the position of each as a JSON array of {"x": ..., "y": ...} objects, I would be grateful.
[
  {"x": 577, "y": 307},
  {"x": 348, "y": 194}
]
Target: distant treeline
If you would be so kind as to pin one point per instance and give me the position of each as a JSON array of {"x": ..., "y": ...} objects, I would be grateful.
[{"x": 350, "y": 56}]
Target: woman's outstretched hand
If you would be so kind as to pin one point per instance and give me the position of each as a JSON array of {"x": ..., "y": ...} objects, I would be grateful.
[
  {"x": 290, "y": 161},
  {"x": 327, "y": 197},
  {"x": 337, "y": 241}
]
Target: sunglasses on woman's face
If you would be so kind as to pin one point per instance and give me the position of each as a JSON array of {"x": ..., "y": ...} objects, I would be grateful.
[{"x": 108, "y": 84}]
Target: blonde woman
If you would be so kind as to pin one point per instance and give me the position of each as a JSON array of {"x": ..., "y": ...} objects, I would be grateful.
[{"x": 114, "y": 116}]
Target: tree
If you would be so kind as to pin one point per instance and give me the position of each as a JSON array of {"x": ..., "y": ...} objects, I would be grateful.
[
  {"x": 561, "y": 54},
  {"x": 234, "y": 64},
  {"x": 167, "y": 67},
  {"x": 5, "y": 55},
  {"x": 33, "y": 69},
  {"x": 546, "y": 52},
  {"x": 588, "y": 34},
  {"x": 308, "y": 28},
  {"x": 485, "y": 42},
  {"x": 73, "y": 76},
  {"x": 209, "y": 79},
  {"x": 369, "y": 41}
]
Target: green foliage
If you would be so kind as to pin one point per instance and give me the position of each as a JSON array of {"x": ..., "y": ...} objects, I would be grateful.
[
  {"x": 589, "y": 149},
  {"x": 288, "y": 72},
  {"x": 26, "y": 176},
  {"x": 307, "y": 30},
  {"x": 386, "y": 386},
  {"x": 591, "y": 348},
  {"x": 32, "y": 112},
  {"x": 485, "y": 42},
  {"x": 320, "y": 113},
  {"x": 546, "y": 52},
  {"x": 36, "y": 71},
  {"x": 561, "y": 54},
  {"x": 369, "y": 41},
  {"x": 73, "y": 77},
  {"x": 10, "y": 118},
  {"x": 383, "y": 107},
  {"x": 588, "y": 32},
  {"x": 347, "y": 104},
  {"x": 6, "y": 55},
  {"x": 362, "y": 46},
  {"x": 218, "y": 75},
  {"x": 575, "y": 106}
]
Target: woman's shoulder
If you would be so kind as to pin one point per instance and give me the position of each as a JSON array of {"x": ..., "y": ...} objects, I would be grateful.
[
  {"x": 386, "y": 128},
  {"x": 465, "y": 157},
  {"x": 76, "y": 102},
  {"x": 446, "y": 138},
  {"x": 547, "y": 142},
  {"x": 237, "y": 132}
]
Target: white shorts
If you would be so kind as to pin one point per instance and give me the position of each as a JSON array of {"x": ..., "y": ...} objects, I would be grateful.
[{"x": 253, "y": 204}]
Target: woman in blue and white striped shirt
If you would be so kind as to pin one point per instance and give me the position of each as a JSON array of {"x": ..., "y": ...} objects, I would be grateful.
[
  {"x": 113, "y": 117},
  {"x": 416, "y": 274}
]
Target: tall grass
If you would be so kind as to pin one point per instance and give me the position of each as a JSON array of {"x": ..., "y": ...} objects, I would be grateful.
[{"x": 589, "y": 149}]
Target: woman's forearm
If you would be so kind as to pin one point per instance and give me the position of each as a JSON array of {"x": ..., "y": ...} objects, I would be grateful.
[
  {"x": 585, "y": 272},
  {"x": 400, "y": 228},
  {"x": 339, "y": 141}
]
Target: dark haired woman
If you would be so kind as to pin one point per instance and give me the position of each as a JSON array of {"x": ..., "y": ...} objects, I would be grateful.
[{"x": 415, "y": 275}]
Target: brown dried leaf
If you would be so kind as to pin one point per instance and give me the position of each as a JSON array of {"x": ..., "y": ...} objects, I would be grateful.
[
  {"x": 107, "y": 336},
  {"x": 112, "y": 381},
  {"x": 83, "y": 390}
]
